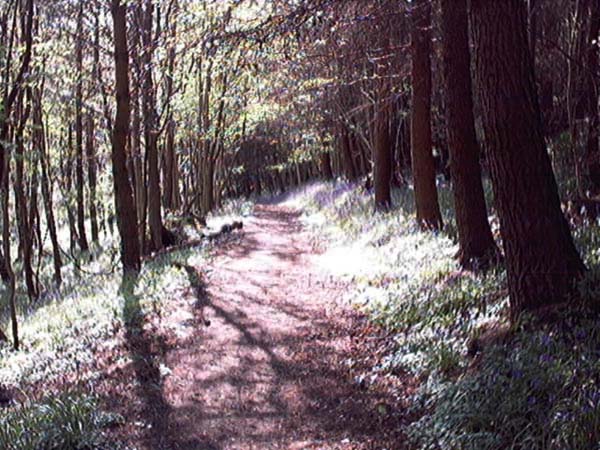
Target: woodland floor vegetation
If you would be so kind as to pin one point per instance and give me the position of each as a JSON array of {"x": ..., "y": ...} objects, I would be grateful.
[
  {"x": 483, "y": 383},
  {"x": 71, "y": 333}
]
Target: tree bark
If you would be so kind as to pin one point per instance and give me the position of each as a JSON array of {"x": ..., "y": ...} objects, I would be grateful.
[
  {"x": 592, "y": 92},
  {"x": 541, "y": 260},
  {"x": 46, "y": 189},
  {"x": 477, "y": 246},
  {"x": 423, "y": 163},
  {"x": 382, "y": 158},
  {"x": 326, "y": 169},
  {"x": 92, "y": 177},
  {"x": 79, "y": 179},
  {"x": 24, "y": 226},
  {"x": 67, "y": 176},
  {"x": 124, "y": 203},
  {"x": 151, "y": 132}
]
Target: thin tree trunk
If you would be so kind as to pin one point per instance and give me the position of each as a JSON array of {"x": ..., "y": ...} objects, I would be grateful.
[
  {"x": 151, "y": 132},
  {"x": 79, "y": 179},
  {"x": 423, "y": 163},
  {"x": 382, "y": 158},
  {"x": 11, "y": 285},
  {"x": 25, "y": 243},
  {"x": 92, "y": 177},
  {"x": 326, "y": 169},
  {"x": 67, "y": 176},
  {"x": 47, "y": 193},
  {"x": 592, "y": 92}
]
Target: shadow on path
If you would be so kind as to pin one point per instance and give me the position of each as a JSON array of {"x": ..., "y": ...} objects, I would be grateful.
[
  {"x": 272, "y": 370},
  {"x": 271, "y": 359},
  {"x": 147, "y": 350}
]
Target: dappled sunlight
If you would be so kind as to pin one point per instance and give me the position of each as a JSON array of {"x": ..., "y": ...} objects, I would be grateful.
[{"x": 271, "y": 323}]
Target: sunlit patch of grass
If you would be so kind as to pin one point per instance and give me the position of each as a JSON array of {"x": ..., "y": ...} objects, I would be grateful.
[
  {"x": 408, "y": 280},
  {"x": 63, "y": 331}
]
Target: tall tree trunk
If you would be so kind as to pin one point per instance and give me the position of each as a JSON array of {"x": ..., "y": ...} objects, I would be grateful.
[
  {"x": 91, "y": 136},
  {"x": 208, "y": 177},
  {"x": 346, "y": 153},
  {"x": 124, "y": 203},
  {"x": 477, "y": 246},
  {"x": 79, "y": 179},
  {"x": 151, "y": 131},
  {"x": 326, "y": 169},
  {"x": 14, "y": 91},
  {"x": 532, "y": 26},
  {"x": 423, "y": 163},
  {"x": 169, "y": 157},
  {"x": 382, "y": 157},
  {"x": 169, "y": 162},
  {"x": 92, "y": 176},
  {"x": 67, "y": 176},
  {"x": 25, "y": 242},
  {"x": 592, "y": 92},
  {"x": 46, "y": 190},
  {"x": 11, "y": 285},
  {"x": 541, "y": 259}
]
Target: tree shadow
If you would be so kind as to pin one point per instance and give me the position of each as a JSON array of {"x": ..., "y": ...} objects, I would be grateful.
[
  {"x": 311, "y": 398},
  {"x": 147, "y": 350}
]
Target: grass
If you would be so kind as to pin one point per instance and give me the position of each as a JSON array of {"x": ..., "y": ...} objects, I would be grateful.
[
  {"x": 67, "y": 422},
  {"x": 533, "y": 386}
]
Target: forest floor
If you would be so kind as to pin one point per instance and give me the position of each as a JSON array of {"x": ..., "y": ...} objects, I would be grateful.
[{"x": 266, "y": 356}]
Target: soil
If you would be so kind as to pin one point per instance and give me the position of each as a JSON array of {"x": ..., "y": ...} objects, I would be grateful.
[{"x": 261, "y": 354}]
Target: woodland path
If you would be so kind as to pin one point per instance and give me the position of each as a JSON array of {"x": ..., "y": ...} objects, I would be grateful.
[{"x": 271, "y": 371}]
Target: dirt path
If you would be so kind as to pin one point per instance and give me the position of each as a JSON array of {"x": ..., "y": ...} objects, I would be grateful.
[{"x": 272, "y": 369}]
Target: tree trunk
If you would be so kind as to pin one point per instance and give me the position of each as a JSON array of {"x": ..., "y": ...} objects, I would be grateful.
[
  {"x": 79, "y": 180},
  {"x": 92, "y": 177},
  {"x": 47, "y": 193},
  {"x": 326, "y": 169},
  {"x": 11, "y": 285},
  {"x": 151, "y": 132},
  {"x": 382, "y": 158},
  {"x": 25, "y": 241},
  {"x": 168, "y": 166},
  {"x": 124, "y": 203},
  {"x": 346, "y": 150},
  {"x": 477, "y": 246},
  {"x": 592, "y": 92},
  {"x": 67, "y": 176},
  {"x": 541, "y": 259},
  {"x": 423, "y": 163},
  {"x": 208, "y": 176}
]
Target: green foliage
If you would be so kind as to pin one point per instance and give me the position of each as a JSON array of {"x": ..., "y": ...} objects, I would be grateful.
[
  {"x": 538, "y": 392},
  {"x": 68, "y": 422}
]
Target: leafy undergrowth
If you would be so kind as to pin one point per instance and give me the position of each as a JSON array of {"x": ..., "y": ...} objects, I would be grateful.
[
  {"x": 65, "y": 422},
  {"x": 63, "y": 333},
  {"x": 483, "y": 383}
]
